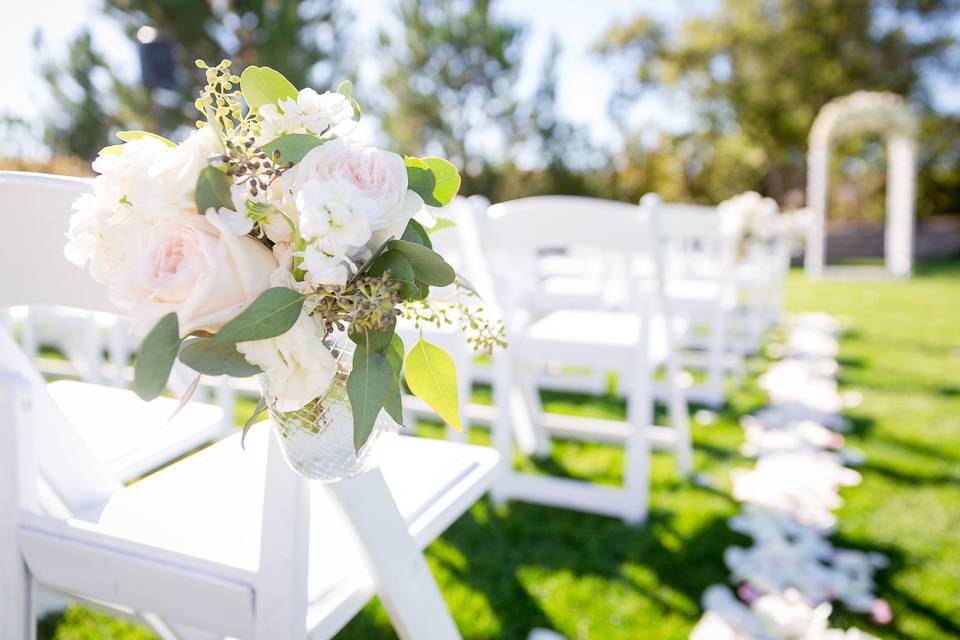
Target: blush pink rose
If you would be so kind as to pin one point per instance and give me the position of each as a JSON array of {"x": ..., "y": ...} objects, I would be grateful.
[{"x": 196, "y": 267}]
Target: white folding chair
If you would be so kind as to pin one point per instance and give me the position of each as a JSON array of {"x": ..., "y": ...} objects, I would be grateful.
[
  {"x": 226, "y": 541},
  {"x": 699, "y": 269},
  {"x": 130, "y": 448},
  {"x": 635, "y": 341}
]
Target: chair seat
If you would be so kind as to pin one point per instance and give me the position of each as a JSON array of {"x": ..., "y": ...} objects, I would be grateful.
[
  {"x": 575, "y": 335},
  {"x": 209, "y": 506},
  {"x": 128, "y": 435},
  {"x": 697, "y": 291}
]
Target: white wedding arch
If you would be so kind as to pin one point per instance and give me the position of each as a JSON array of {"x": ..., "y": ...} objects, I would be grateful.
[{"x": 865, "y": 111}]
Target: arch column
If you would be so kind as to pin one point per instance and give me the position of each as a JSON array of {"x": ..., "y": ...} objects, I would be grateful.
[
  {"x": 901, "y": 202},
  {"x": 818, "y": 165}
]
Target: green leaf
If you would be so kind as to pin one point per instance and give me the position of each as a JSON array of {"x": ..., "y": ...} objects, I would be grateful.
[
  {"x": 270, "y": 315},
  {"x": 399, "y": 268},
  {"x": 429, "y": 267},
  {"x": 441, "y": 224},
  {"x": 292, "y": 147},
  {"x": 393, "y": 403},
  {"x": 367, "y": 389},
  {"x": 213, "y": 190},
  {"x": 346, "y": 88},
  {"x": 432, "y": 376},
  {"x": 185, "y": 398},
  {"x": 436, "y": 180},
  {"x": 155, "y": 358},
  {"x": 378, "y": 341},
  {"x": 260, "y": 408},
  {"x": 203, "y": 355},
  {"x": 127, "y": 136},
  {"x": 414, "y": 232},
  {"x": 263, "y": 85},
  {"x": 463, "y": 283},
  {"x": 112, "y": 150}
]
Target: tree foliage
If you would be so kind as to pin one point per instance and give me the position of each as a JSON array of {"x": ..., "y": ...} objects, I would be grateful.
[
  {"x": 304, "y": 40},
  {"x": 758, "y": 72},
  {"x": 449, "y": 74}
]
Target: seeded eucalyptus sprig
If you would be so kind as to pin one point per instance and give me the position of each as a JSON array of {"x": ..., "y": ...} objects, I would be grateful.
[
  {"x": 365, "y": 304},
  {"x": 220, "y": 102},
  {"x": 483, "y": 333},
  {"x": 248, "y": 164}
]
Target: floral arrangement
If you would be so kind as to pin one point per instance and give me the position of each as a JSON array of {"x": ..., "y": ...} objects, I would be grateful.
[
  {"x": 264, "y": 233},
  {"x": 750, "y": 217}
]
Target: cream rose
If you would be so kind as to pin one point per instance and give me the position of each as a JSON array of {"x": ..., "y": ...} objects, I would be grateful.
[
  {"x": 197, "y": 267},
  {"x": 379, "y": 176},
  {"x": 298, "y": 366}
]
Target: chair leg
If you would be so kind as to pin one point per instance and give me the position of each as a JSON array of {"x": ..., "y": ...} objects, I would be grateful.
[
  {"x": 403, "y": 580},
  {"x": 281, "y": 602},
  {"x": 680, "y": 421},
  {"x": 17, "y": 618}
]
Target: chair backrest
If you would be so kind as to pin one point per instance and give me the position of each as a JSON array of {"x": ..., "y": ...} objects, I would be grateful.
[
  {"x": 36, "y": 211},
  {"x": 692, "y": 238},
  {"x": 544, "y": 223},
  {"x": 596, "y": 238}
]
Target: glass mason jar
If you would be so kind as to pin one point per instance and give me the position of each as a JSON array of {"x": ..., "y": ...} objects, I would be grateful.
[{"x": 317, "y": 440}]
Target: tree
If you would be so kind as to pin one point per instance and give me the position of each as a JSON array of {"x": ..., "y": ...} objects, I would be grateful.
[
  {"x": 759, "y": 71},
  {"x": 303, "y": 39},
  {"x": 450, "y": 75}
]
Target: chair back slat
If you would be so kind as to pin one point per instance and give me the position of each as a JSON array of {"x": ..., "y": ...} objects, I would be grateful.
[
  {"x": 542, "y": 223},
  {"x": 63, "y": 459},
  {"x": 35, "y": 209}
]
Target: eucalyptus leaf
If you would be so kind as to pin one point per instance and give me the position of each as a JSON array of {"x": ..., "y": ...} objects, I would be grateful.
[
  {"x": 293, "y": 147},
  {"x": 213, "y": 190},
  {"x": 393, "y": 403},
  {"x": 260, "y": 408},
  {"x": 463, "y": 283},
  {"x": 345, "y": 88},
  {"x": 440, "y": 225},
  {"x": 414, "y": 232},
  {"x": 156, "y": 356},
  {"x": 270, "y": 315},
  {"x": 185, "y": 398},
  {"x": 399, "y": 269},
  {"x": 428, "y": 265},
  {"x": 263, "y": 85},
  {"x": 420, "y": 179},
  {"x": 367, "y": 387},
  {"x": 432, "y": 376},
  {"x": 378, "y": 341},
  {"x": 206, "y": 356},
  {"x": 435, "y": 180},
  {"x": 127, "y": 136}
]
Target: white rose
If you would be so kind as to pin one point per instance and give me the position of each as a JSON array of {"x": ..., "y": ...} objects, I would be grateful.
[
  {"x": 297, "y": 364},
  {"x": 311, "y": 112},
  {"x": 276, "y": 226},
  {"x": 154, "y": 180},
  {"x": 378, "y": 175},
  {"x": 325, "y": 268},
  {"x": 335, "y": 213},
  {"x": 197, "y": 267},
  {"x": 100, "y": 238}
]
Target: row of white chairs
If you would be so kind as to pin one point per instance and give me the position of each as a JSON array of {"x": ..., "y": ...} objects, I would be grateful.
[{"x": 221, "y": 543}]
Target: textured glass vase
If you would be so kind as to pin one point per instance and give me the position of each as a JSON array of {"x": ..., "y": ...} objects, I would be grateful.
[{"x": 317, "y": 440}]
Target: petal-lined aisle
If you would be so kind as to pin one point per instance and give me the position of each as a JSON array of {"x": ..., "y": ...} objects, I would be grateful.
[{"x": 787, "y": 579}]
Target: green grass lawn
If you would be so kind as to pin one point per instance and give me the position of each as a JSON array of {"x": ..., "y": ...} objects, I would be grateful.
[{"x": 504, "y": 572}]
